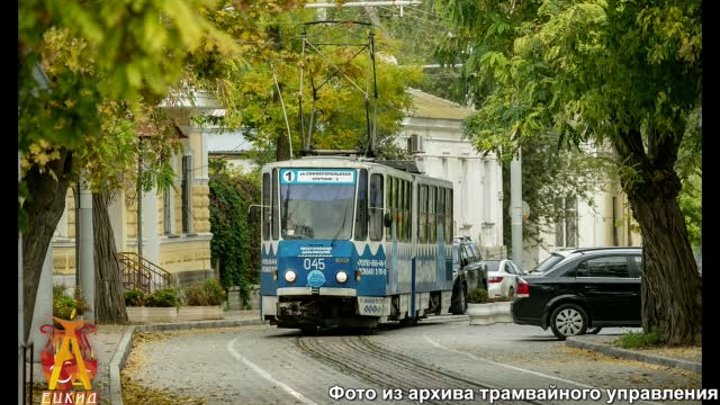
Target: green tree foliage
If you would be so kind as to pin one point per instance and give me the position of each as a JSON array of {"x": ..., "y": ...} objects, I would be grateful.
[
  {"x": 108, "y": 64},
  {"x": 248, "y": 86},
  {"x": 625, "y": 73},
  {"x": 235, "y": 245},
  {"x": 550, "y": 172}
]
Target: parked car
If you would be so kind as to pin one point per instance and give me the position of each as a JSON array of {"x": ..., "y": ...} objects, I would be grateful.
[
  {"x": 468, "y": 273},
  {"x": 588, "y": 289},
  {"x": 502, "y": 278},
  {"x": 549, "y": 262}
]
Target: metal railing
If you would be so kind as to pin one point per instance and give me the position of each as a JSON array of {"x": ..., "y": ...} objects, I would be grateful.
[
  {"x": 28, "y": 383},
  {"x": 141, "y": 273}
]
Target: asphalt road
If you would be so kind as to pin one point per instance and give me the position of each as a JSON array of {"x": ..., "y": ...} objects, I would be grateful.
[{"x": 446, "y": 362}]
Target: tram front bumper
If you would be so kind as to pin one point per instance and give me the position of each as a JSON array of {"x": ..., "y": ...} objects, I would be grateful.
[{"x": 324, "y": 291}]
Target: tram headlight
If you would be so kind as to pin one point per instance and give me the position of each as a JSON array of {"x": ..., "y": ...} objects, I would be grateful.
[
  {"x": 341, "y": 277},
  {"x": 290, "y": 276}
]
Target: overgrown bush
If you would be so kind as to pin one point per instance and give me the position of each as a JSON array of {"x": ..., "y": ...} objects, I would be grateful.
[
  {"x": 134, "y": 298},
  {"x": 210, "y": 292},
  {"x": 166, "y": 297},
  {"x": 477, "y": 295},
  {"x": 214, "y": 291}
]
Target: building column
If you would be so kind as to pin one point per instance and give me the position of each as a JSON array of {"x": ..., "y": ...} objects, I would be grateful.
[
  {"x": 86, "y": 253},
  {"x": 151, "y": 243},
  {"x": 204, "y": 159}
]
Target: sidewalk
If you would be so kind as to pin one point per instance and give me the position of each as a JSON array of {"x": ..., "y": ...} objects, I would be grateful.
[
  {"x": 112, "y": 343},
  {"x": 687, "y": 359}
]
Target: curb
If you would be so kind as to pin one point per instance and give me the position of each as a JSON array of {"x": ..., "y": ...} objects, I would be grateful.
[
  {"x": 609, "y": 350},
  {"x": 123, "y": 351}
]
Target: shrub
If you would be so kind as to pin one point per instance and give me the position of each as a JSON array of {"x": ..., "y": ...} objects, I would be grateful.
[
  {"x": 63, "y": 304},
  {"x": 215, "y": 292},
  {"x": 195, "y": 295},
  {"x": 134, "y": 298},
  {"x": 66, "y": 306},
  {"x": 209, "y": 292},
  {"x": 477, "y": 295},
  {"x": 162, "y": 298}
]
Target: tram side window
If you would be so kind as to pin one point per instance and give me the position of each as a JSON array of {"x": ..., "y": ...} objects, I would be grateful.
[
  {"x": 391, "y": 204},
  {"x": 275, "y": 205},
  {"x": 449, "y": 216},
  {"x": 266, "y": 206},
  {"x": 422, "y": 209},
  {"x": 431, "y": 216},
  {"x": 408, "y": 211},
  {"x": 405, "y": 211},
  {"x": 441, "y": 211},
  {"x": 361, "y": 221},
  {"x": 376, "y": 207}
]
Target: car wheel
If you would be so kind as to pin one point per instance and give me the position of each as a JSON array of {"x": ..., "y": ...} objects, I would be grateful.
[
  {"x": 511, "y": 293},
  {"x": 594, "y": 331},
  {"x": 568, "y": 320},
  {"x": 459, "y": 305}
]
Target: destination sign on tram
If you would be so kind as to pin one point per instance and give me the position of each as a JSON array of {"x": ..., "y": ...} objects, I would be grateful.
[{"x": 317, "y": 176}]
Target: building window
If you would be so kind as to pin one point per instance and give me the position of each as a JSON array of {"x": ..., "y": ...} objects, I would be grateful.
[
  {"x": 566, "y": 222},
  {"x": 168, "y": 211}
]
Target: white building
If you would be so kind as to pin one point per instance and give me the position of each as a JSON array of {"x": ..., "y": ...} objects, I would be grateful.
[
  {"x": 604, "y": 221},
  {"x": 231, "y": 146},
  {"x": 434, "y": 135}
]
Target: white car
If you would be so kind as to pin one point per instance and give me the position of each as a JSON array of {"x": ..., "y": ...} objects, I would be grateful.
[{"x": 502, "y": 278}]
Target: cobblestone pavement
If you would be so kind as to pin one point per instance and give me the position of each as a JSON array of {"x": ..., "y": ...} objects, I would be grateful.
[{"x": 264, "y": 365}]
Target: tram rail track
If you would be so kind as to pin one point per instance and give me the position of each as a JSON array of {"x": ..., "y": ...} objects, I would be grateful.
[{"x": 359, "y": 356}]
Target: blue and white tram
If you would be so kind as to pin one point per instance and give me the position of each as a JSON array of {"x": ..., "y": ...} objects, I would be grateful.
[{"x": 339, "y": 238}]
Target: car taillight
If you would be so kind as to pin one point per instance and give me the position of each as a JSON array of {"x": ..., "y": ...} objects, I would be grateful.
[
  {"x": 495, "y": 279},
  {"x": 523, "y": 289}
]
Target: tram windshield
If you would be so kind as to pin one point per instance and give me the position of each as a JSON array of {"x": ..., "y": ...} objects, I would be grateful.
[{"x": 317, "y": 211}]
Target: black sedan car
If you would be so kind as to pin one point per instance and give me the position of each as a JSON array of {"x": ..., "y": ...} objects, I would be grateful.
[
  {"x": 468, "y": 272},
  {"x": 585, "y": 291}
]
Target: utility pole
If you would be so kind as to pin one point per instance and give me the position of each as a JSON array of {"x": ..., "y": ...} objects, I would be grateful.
[
  {"x": 86, "y": 260},
  {"x": 139, "y": 192},
  {"x": 516, "y": 208}
]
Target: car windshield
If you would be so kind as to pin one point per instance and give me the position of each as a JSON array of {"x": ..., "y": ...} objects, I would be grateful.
[
  {"x": 321, "y": 209},
  {"x": 547, "y": 264}
]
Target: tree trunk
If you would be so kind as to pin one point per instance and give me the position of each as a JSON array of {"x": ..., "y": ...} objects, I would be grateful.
[
  {"x": 109, "y": 291},
  {"x": 670, "y": 291},
  {"x": 44, "y": 208},
  {"x": 671, "y": 294}
]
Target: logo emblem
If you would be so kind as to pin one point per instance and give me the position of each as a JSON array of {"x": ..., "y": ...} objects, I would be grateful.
[
  {"x": 315, "y": 278},
  {"x": 67, "y": 359}
]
